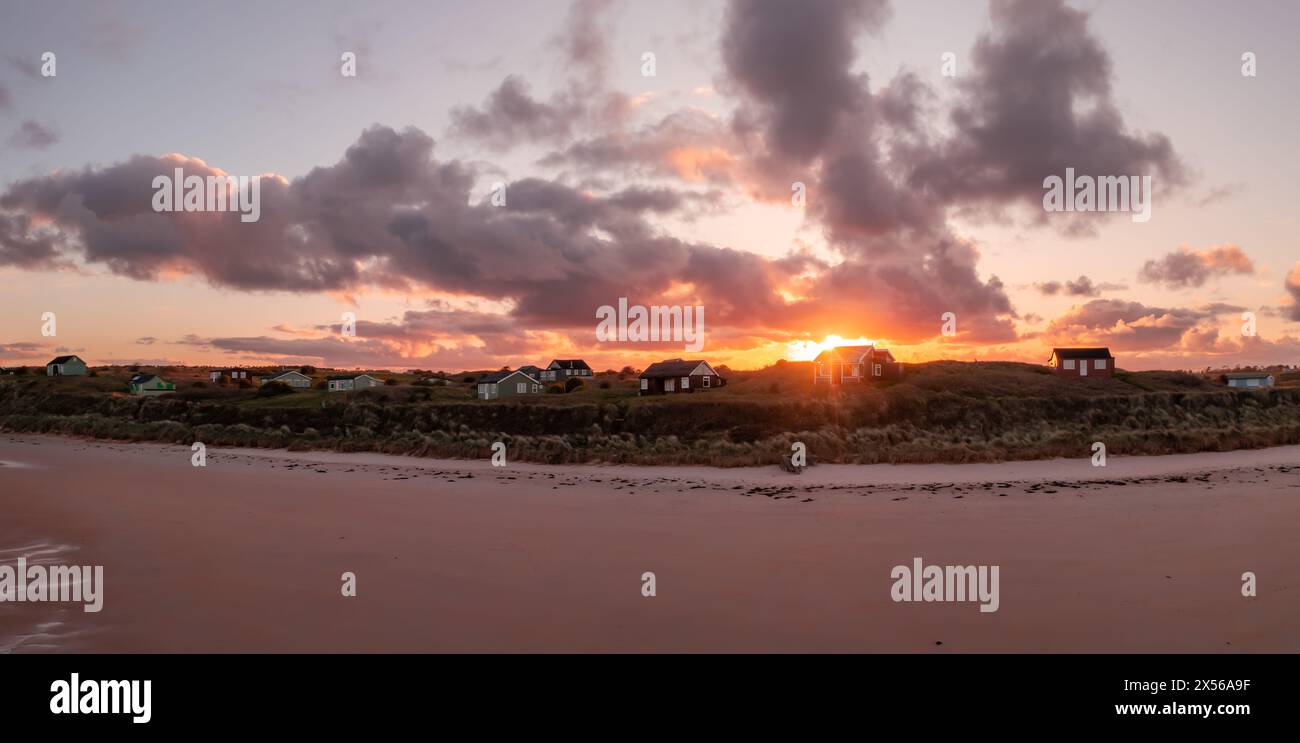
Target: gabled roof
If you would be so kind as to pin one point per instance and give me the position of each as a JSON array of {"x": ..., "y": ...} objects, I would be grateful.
[
  {"x": 142, "y": 378},
  {"x": 282, "y": 375},
  {"x": 851, "y": 354},
  {"x": 497, "y": 377},
  {"x": 64, "y": 360},
  {"x": 529, "y": 369},
  {"x": 674, "y": 368},
  {"x": 341, "y": 377},
  {"x": 569, "y": 364},
  {"x": 1082, "y": 353}
]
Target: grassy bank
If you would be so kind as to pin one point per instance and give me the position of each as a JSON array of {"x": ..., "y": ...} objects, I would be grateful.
[{"x": 942, "y": 412}]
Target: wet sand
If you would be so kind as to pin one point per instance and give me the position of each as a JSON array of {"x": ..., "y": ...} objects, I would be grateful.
[{"x": 246, "y": 554}]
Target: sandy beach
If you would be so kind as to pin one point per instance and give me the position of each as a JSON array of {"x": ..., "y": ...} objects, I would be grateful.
[{"x": 246, "y": 553}]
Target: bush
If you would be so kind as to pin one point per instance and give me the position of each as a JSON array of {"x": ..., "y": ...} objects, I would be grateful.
[
  {"x": 573, "y": 383},
  {"x": 555, "y": 389},
  {"x": 604, "y": 385},
  {"x": 274, "y": 389},
  {"x": 390, "y": 382}
]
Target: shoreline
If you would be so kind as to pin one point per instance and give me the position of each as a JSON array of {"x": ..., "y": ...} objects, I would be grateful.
[{"x": 1029, "y": 470}]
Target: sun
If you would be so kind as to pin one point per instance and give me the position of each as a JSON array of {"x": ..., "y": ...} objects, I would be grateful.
[{"x": 808, "y": 350}]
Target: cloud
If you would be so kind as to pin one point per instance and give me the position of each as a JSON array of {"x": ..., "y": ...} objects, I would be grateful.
[
  {"x": 512, "y": 116},
  {"x": 1129, "y": 326},
  {"x": 25, "y": 64},
  {"x": 1185, "y": 267},
  {"x": 1292, "y": 286},
  {"x": 6, "y": 99},
  {"x": 1080, "y": 287},
  {"x": 1038, "y": 100},
  {"x": 34, "y": 135}
]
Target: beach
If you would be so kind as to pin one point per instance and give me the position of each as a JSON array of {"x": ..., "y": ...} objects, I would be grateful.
[{"x": 247, "y": 553}]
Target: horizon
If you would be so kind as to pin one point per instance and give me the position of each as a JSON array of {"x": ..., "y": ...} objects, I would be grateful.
[{"x": 919, "y": 194}]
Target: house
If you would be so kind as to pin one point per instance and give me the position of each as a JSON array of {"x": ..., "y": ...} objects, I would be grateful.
[
  {"x": 66, "y": 366},
  {"x": 676, "y": 376},
  {"x": 224, "y": 376},
  {"x": 150, "y": 384},
  {"x": 295, "y": 379},
  {"x": 507, "y": 384},
  {"x": 854, "y": 364},
  {"x": 1082, "y": 362},
  {"x": 345, "y": 382},
  {"x": 533, "y": 371},
  {"x": 1248, "y": 379},
  {"x": 562, "y": 369}
]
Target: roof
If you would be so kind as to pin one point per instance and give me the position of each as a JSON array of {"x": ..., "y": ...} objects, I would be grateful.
[
  {"x": 63, "y": 360},
  {"x": 845, "y": 353},
  {"x": 142, "y": 378},
  {"x": 529, "y": 369},
  {"x": 1082, "y": 353},
  {"x": 570, "y": 364},
  {"x": 672, "y": 368},
  {"x": 341, "y": 377},
  {"x": 287, "y": 373},
  {"x": 495, "y": 377},
  {"x": 1248, "y": 375}
]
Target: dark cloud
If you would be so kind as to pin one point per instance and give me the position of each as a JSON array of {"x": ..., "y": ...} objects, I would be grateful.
[
  {"x": 1293, "y": 288},
  {"x": 512, "y": 116},
  {"x": 390, "y": 215},
  {"x": 1080, "y": 287},
  {"x": 1130, "y": 326},
  {"x": 806, "y": 116},
  {"x": 34, "y": 135},
  {"x": 1038, "y": 100},
  {"x": 1186, "y": 268}
]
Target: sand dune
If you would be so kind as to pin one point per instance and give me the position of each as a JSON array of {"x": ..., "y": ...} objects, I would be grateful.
[{"x": 246, "y": 554}]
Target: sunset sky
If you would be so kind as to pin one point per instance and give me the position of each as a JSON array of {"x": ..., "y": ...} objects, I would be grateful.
[{"x": 924, "y": 191}]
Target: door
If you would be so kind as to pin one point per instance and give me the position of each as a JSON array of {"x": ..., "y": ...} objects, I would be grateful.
[
  {"x": 1083, "y": 367},
  {"x": 669, "y": 385}
]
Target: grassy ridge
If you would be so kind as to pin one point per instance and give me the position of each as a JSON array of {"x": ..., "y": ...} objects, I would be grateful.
[{"x": 943, "y": 412}]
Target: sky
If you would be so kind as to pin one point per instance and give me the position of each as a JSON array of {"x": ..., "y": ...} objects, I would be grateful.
[{"x": 496, "y": 172}]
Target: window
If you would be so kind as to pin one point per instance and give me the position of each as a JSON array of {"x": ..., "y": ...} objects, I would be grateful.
[
  {"x": 521, "y": 387},
  {"x": 706, "y": 380},
  {"x": 1101, "y": 364},
  {"x": 1068, "y": 364},
  {"x": 686, "y": 383},
  {"x": 875, "y": 369},
  {"x": 668, "y": 385},
  {"x": 645, "y": 384}
]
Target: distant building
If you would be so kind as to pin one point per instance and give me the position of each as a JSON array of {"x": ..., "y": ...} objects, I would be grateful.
[
  {"x": 855, "y": 364},
  {"x": 223, "y": 376},
  {"x": 295, "y": 379},
  {"x": 1082, "y": 362},
  {"x": 562, "y": 369},
  {"x": 1249, "y": 379},
  {"x": 675, "y": 376},
  {"x": 507, "y": 384},
  {"x": 66, "y": 366},
  {"x": 345, "y": 382},
  {"x": 533, "y": 371},
  {"x": 150, "y": 384}
]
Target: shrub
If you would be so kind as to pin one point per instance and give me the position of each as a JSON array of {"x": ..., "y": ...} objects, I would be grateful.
[
  {"x": 604, "y": 385},
  {"x": 390, "y": 382},
  {"x": 274, "y": 389},
  {"x": 555, "y": 389},
  {"x": 573, "y": 383}
]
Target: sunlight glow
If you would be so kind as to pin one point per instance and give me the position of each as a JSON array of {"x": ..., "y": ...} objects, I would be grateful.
[{"x": 808, "y": 350}]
